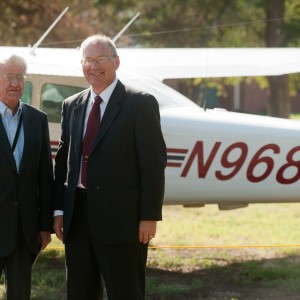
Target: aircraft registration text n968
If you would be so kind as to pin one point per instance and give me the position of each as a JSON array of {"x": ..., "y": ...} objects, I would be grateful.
[{"x": 233, "y": 157}]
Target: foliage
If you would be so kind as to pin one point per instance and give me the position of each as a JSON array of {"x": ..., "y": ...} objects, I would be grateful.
[
  {"x": 165, "y": 23},
  {"x": 24, "y": 22}
]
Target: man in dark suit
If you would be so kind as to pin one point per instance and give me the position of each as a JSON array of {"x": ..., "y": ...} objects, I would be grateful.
[
  {"x": 108, "y": 221},
  {"x": 26, "y": 176}
]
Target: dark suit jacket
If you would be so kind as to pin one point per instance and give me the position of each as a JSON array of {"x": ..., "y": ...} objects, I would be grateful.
[
  {"x": 125, "y": 172},
  {"x": 27, "y": 194}
]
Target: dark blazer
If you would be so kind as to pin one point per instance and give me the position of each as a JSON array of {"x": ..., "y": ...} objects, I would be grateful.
[
  {"x": 27, "y": 194},
  {"x": 125, "y": 172}
]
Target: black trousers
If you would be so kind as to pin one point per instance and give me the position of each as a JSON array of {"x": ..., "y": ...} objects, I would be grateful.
[
  {"x": 122, "y": 266},
  {"x": 17, "y": 270}
]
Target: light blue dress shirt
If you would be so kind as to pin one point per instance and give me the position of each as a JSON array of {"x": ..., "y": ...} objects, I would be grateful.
[{"x": 10, "y": 123}]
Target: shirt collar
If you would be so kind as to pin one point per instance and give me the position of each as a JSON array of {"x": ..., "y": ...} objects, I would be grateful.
[
  {"x": 4, "y": 109},
  {"x": 105, "y": 95}
]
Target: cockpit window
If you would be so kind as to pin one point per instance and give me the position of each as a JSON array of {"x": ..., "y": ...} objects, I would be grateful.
[
  {"x": 26, "y": 98},
  {"x": 52, "y": 97},
  {"x": 165, "y": 95}
]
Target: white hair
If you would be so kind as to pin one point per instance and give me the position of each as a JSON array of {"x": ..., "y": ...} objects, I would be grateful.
[
  {"x": 99, "y": 39},
  {"x": 14, "y": 59}
]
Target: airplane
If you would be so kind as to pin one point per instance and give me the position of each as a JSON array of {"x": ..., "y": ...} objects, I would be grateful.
[{"x": 214, "y": 156}]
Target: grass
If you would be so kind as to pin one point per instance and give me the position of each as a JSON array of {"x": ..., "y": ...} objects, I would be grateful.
[
  {"x": 259, "y": 224},
  {"x": 48, "y": 278},
  {"x": 295, "y": 116},
  {"x": 256, "y": 247}
]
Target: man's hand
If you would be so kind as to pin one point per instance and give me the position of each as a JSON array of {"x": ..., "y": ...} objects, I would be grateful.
[
  {"x": 58, "y": 227},
  {"x": 45, "y": 239},
  {"x": 147, "y": 230}
]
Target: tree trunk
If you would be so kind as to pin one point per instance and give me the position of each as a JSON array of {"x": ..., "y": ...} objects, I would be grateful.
[{"x": 279, "y": 104}]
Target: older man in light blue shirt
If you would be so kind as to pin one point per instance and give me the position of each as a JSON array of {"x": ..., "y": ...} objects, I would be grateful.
[
  {"x": 26, "y": 176},
  {"x": 10, "y": 123}
]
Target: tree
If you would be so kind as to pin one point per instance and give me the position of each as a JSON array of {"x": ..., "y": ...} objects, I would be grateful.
[
  {"x": 23, "y": 22},
  {"x": 165, "y": 23},
  {"x": 279, "y": 105}
]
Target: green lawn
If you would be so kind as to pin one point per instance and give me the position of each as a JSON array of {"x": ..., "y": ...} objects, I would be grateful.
[{"x": 253, "y": 247}]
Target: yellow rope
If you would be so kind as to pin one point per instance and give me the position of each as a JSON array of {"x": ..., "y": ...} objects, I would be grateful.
[
  {"x": 206, "y": 247},
  {"x": 225, "y": 246}
]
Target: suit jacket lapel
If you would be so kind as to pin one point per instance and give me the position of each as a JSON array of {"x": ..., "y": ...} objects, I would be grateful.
[
  {"x": 5, "y": 147},
  {"x": 29, "y": 125},
  {"x": 77, "y": 128},
  {"x": 110, "y": 113}
]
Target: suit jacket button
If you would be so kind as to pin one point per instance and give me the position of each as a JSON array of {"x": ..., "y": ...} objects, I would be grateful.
[
  {"x": 16, "y": 203},
  {"x": 98, "y": 187}
]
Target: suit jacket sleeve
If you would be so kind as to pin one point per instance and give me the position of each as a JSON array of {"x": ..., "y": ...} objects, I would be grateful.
[
  {"x": 46, "y": 180},
  {"x": 151, "y": 151},
  {"x": 60, "y": 163}
]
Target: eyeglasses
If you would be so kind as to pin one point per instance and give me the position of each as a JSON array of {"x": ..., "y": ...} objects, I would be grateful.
[
  {"x": 98, "y": 61},
  {"x": 11, "y": 77}
]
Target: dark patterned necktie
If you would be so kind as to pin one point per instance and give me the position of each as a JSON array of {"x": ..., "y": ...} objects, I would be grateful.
[{"x": 92, "y": 127}]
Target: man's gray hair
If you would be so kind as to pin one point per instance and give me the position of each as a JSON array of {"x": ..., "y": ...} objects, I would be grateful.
[
  {"x": 96, "y": 40},
  {"x": 14, "y": 59}
]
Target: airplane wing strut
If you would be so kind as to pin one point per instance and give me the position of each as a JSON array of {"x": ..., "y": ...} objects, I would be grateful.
[
  {"x": 125, "y": 27},
  {"x": 47, "y": 31}
]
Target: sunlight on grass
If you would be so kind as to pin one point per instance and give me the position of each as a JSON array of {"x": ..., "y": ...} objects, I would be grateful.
[
  {"x": 228, "y": 231},
  {"x": 295, "y": 117},
  {"x": 1, "y": 291},
  {"x": 55, "y": 244},
  {"x": 258, "y": 224}
]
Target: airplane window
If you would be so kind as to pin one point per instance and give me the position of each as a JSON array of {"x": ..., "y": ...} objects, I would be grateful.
[
  {"x": 26, "y": 98},
  {"x": 52, "y": 97},
  {"x": 165, "y": 95}
]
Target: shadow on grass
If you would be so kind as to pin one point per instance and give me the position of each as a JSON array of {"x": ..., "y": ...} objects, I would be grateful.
[
  {"x": 275, "y": 279},
  {"x": 49, "y": 277},
  {"x": 266, "y": 279}
]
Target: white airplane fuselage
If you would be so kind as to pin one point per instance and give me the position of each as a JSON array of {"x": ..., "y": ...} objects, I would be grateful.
[{"x": 230, "y": 158}]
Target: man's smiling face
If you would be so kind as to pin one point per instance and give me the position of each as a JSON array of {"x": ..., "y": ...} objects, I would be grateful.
[
  {"x": 99, "y": 66},
  {"x": 11, "y": 87}
]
